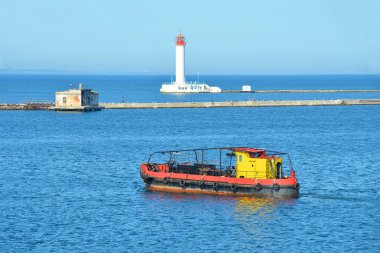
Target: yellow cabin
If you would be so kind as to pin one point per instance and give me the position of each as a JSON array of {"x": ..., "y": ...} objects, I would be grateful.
[{"x": 253, "y": 163}]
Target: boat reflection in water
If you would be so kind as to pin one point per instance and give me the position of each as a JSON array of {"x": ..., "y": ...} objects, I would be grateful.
[
  {"x": 255, "y": 206},
  {"x": 258, "y": 215},
  {"x": 251, "y": 214}
]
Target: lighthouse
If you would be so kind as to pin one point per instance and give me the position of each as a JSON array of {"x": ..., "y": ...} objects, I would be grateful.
[
  {"x": 180, "y": 60},
  {"x": 180, "y": 85}
]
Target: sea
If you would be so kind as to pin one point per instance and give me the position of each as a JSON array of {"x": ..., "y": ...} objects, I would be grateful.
[{"x": 70, "y": 182}]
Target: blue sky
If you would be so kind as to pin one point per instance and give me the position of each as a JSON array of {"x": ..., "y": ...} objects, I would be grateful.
[{"x": 224, "y": 37}]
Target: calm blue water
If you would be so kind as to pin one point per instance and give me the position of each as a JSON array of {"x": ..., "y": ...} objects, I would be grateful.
[{"x": 70, "y": 182}]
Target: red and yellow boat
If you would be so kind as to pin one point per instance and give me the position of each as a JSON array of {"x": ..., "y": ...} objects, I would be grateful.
[{"x": 236, "y": 171}]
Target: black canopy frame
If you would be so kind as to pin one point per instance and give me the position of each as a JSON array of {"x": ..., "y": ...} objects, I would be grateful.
[{"x": 202, "y": 150}]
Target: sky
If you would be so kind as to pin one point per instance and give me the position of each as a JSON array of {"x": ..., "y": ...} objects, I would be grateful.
[{"x": 223, "y": 37}]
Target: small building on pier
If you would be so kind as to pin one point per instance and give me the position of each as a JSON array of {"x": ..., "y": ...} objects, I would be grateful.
[
  {"x": 77, "y": 100},
  {"x": 246, "y": 88}
]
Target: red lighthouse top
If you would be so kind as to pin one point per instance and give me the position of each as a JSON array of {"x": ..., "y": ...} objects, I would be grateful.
[{"x": 181, "y": 40}]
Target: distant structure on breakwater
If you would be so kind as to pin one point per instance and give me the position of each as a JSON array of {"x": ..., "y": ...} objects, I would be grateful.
[
  {"x": 180, "y": 85},
  {"x": 77, "y": 100}
]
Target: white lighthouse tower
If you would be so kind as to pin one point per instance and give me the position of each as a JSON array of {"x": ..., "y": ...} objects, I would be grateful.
[
  {"x": 180, "y": 85},
  {"x": 180, "y": 60}
]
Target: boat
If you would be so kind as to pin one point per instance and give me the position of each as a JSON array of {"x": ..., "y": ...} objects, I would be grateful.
[{"x": 239, "y": 171}]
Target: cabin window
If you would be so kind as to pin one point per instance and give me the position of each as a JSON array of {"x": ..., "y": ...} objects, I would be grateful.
[
  {"x": 240, "y": 158},
  {"x": 64, "y": 100},
  {"x": 255, "y": 154}
]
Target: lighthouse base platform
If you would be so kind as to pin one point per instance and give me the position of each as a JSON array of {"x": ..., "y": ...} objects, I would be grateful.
[{"x": 192, "y": 87}]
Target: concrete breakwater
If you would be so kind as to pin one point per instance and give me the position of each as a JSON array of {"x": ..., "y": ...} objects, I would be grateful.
[
  {"x": 300, "y": 91},
  {"x": 250, "y": 103},
  {"x": 26, "y": 106}
]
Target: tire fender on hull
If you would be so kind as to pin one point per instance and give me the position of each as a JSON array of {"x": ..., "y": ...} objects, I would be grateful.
[
  {"x": 215, "y": 186},
  {"x": 182, "y": 183},
  {"x": 258, "y": 187},
  {"x": 276, "y": 187}
]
